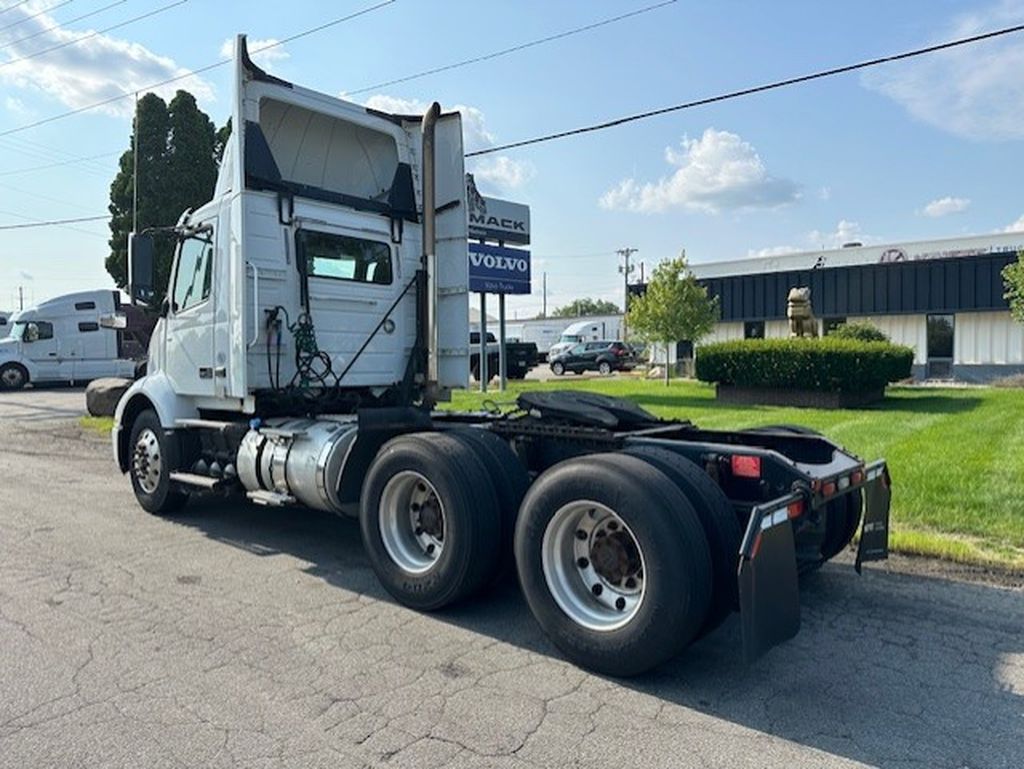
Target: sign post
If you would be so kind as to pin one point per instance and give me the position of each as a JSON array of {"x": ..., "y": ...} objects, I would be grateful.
[{"x": 495, "y": 269}]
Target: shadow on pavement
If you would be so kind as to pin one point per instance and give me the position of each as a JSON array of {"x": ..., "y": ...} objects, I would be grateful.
[{"x": 890, "y": 670}]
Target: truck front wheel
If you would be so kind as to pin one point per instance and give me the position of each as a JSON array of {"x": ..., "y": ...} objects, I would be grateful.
[
  {"x": 154, "y": 454},
  {"x": 613, "y": 562},
  {"x": 430, "y": 520},
  {"x": 13, "y": 376}
]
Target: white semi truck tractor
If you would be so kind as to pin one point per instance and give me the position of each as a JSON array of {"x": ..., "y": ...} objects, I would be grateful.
[{"x": 316, "y": 314}]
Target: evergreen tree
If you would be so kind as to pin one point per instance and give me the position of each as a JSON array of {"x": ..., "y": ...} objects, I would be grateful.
[{"x": 177, "y": 170}]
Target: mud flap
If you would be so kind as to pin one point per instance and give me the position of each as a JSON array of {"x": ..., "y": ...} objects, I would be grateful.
[
  {"x": 874, "y": 534},
  {"x": 769, "y": 592}
]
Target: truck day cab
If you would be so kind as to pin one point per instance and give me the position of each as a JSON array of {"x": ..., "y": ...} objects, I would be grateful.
[{"x": 318, "y": 310}]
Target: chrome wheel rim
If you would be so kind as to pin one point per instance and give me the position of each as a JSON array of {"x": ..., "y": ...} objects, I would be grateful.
[
  {"x": 593, "y": 566},
  {"x": 12, "y": 376},
  {"x": 146, "y": 461},
  {"x": 605, "y": 368},
  {"x": 412, "y": 522}
]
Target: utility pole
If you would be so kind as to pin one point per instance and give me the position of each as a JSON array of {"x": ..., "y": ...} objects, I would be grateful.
[
  {"x": 544, "y": 311},
  {"x": 625, "y": 268},
  {"x": 135, "y": 168},
  {"x": 21, "y": 298}
]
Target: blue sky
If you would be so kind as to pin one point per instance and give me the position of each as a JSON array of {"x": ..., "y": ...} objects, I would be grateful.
[{"x": 921, "y": 149}]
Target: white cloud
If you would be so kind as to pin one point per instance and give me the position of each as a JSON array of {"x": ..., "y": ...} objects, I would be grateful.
[
  {"x": 975, "y": 91},
  {"x": 493, "y": 173},
  {"x": 17, "y": 106},
  {"x": 719, "y": 171},
  {"x": 845, "y": 232},
  {"x": 1017, "y": 226},
  {"x": 265, "y": 59},
  {"x": 946, "y": 206},
  {"x": 97, "y": 68}
]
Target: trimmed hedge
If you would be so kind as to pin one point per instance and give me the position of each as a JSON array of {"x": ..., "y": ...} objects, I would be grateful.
[
  {"x": 860, "y": 330},
  {"x": 826, "y": 365}
]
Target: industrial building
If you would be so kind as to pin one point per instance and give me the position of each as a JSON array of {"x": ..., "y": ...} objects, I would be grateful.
[{"x": 944, "y": 298}]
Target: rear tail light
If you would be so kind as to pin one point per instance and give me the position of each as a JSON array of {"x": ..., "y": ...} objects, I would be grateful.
[
  {"x": 828, "y": 488},
  {"x": 744, "y": 466},
  {"x": 795, "y": 510},
  {"x": 856, "y": 477}
]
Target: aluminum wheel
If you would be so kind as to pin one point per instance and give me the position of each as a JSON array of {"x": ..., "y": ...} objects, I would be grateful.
[
  {"x": 412, "y": 522},
  {"x": 146, "y": 464},
  {"x": 593, "y": 566}
]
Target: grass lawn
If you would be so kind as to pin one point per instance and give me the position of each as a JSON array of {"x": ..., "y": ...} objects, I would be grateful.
[{"x": 956, "y": 456}]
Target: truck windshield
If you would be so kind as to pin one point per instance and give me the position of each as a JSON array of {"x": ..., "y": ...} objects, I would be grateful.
[{"x": 571, "y": 338}]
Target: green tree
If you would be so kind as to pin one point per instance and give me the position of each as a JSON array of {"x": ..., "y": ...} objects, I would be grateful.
[
  {"x": 1013, "y": 281},
  {"x": 177, "y": 169},
  {"x": 586, "y": 306},
  {"x": 674, "y": 308}
]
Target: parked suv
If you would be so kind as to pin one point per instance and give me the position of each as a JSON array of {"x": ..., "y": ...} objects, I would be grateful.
[{"x": 604, "y": 357}]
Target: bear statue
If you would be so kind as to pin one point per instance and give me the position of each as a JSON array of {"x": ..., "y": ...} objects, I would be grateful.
[{"x": 798, "y": 309}]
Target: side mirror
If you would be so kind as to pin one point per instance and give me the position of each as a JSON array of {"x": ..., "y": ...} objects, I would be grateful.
[
  {"x": 141, "y": 262},
  {"x": 31, "y": 333}
]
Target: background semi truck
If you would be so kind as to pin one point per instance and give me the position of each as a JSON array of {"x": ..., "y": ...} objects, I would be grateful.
[{"x": 318, "y": 312}]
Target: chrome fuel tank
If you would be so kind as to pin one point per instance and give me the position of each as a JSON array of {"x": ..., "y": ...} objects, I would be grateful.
[{"x": 301, "y": 458}]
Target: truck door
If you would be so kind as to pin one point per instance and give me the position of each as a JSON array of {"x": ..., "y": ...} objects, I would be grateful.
[
  {"x": 42, "y": 347},
  {"x": 190, "y": 316}
]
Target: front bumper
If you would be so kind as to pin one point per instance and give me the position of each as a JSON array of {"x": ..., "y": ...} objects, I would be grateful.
[{"x": 768, "y": 585}]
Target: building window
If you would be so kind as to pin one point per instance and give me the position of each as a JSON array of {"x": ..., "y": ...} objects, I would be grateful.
[
  {"x": 753, "y": 329},
  {"x": 344, "y": 258},
  {"x": 831, "y": 324},
  {"x": 940, "y": 336},
  {"x": 85, "y": 305},
  {"x": 89, "y": 326}
]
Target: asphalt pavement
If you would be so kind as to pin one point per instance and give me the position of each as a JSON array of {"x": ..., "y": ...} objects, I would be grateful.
[{"x": 238, "y": 636}]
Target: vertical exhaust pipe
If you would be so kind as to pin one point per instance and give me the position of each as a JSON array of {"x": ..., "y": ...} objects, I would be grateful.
[{"x": 429, "y": 247}]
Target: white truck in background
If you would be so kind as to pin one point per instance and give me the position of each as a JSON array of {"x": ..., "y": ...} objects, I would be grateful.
[
  {"x": 70, "y": 339},
  {"x": 318, "y": 311},
  {"x": 599, "y": 328}
]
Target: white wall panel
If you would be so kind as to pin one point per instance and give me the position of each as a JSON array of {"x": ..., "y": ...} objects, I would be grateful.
[{"x": 988, "y": 338}]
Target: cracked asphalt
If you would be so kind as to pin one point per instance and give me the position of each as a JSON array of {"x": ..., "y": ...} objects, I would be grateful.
[{"x": 236, "y": 636}]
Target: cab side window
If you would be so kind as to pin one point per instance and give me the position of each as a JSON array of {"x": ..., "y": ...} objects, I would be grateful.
[
  {"x": 45, "y": 330},
  {"x": 194, "y": 278}
]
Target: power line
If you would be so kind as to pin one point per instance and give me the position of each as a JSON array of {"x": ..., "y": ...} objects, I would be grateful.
[
  {"x": 12, "y": 7},
  {"x": 59, "y": 164},
  {"x": 62, "y": 24},
  {"x": 751, "y": 90},
  {"x": 36, "y": 14},
  {"x": 93, "y": 34},
  {"x": 55, "y": 222},
  {"x": 191, "y": 73},
  {"x": 513, "y": 49}
]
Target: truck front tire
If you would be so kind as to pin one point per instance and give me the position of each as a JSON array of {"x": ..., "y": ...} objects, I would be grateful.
[
  {"x": 613, "y": 562},
  {"x": 430, "y": 520},
  {"x": 155, "y": 453},
  {"x": 13, "y": 376}
]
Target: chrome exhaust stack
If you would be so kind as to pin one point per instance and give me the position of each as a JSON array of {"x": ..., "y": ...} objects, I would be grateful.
[{"x": 430, "y": 247}]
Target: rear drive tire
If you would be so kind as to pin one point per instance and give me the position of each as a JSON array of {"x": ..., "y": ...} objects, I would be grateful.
[
  {"x": 604, "y": 368},
  {"x": 509, "y": 478},
  {"x": 613, "y": 562},
  {"x": 13, "y": 376},
  {"x": 430, "y": 520},
  {"x": 155, "y": 453},
  {"x": 721, "y": 526},
  {"x": 557, "y": 369}
]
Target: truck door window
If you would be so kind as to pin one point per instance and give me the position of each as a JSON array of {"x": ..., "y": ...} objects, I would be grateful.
[
  {"x": 193, "y": 279},
  {"x": 344, "y": 258}
]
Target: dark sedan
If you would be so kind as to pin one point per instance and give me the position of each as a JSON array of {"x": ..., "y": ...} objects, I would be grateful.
[{"x": 604, "y": 357}]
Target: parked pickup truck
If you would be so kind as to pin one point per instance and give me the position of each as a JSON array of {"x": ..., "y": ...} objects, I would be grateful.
[{"x": 522, "y": 356}]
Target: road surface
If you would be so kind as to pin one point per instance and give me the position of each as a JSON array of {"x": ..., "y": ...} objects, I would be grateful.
[{"x": 236, "y": 636}]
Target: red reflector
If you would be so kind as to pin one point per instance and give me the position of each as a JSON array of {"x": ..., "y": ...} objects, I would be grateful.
[
  {"x": 757, "y": 547},
  {"x": 828, "y": 489},
  {"x": 856, "y": 477},
  {"x": 744, "y": 466},
  {"x": 796, "y": 509}
]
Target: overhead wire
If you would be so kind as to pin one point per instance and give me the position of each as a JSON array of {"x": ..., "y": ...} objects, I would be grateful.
[
  {"x": 92, "y": 34},
  {"x": 193, "y": 72},
  {"x": 12, "y": 7},
  {"x": 752, "y": 90},
  {"x": 70, "y": 161},
  {"x": 36, "y": 15},
  {"x": 63, "y": 24},
  {"x": 513, "y": 49}
]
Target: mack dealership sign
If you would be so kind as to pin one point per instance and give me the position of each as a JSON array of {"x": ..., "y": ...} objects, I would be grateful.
[
  {"x": 494, "y": 219},
  {"x": 498, "y": 270}
]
